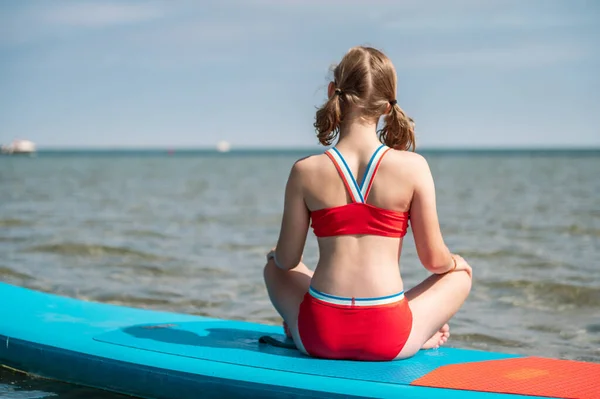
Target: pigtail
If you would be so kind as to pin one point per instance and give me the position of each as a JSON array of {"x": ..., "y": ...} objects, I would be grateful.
[
  {"x": 398, "y": 130},
  {"x": 328, "y": 119}
]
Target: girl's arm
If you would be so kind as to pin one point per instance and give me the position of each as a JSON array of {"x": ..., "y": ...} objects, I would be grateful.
[
  {"x": 431, "y": 249},
  {"x": 295, "y": 222}
]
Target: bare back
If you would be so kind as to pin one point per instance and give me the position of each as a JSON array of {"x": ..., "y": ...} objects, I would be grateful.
[{"x": 359, "y": 265}]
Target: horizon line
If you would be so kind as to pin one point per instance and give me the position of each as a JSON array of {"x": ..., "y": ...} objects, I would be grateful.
[{"x": 313, "y": 148}]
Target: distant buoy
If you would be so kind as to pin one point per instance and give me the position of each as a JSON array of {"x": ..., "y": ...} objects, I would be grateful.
[{"x": 223, "y": 146}]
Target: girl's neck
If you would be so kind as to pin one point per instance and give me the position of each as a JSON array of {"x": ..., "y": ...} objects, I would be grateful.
[{"x": 357, "y": 134}]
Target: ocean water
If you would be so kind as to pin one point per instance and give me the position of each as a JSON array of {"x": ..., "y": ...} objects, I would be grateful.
[{"x": 187, "y": 232}]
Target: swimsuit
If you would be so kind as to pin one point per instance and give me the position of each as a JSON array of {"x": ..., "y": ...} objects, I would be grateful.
[
  {"x": 358, "y": 217},
  {"x": 371, "y": 329},
  {"x": 334, "y": 327}
]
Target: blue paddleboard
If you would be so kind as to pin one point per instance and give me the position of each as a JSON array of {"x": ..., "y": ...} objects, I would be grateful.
[{"x": 164, "y": 355}]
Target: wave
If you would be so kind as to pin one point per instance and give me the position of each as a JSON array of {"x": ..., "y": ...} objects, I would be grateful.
[
  {"x": 484, "y": 339},
  {"x": 550, "y": 293},
  {"x": 87, "y": 250},
  {"x": 8, "y": 392},
  {"x": 6, "y": 272},
  {"x": 147, "y": 233},
  {"x": 14, "y": 223}
]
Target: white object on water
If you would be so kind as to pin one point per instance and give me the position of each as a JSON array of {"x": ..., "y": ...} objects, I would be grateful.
[
  {"x": 223, "y": 146},
  {"x": 19, "y": 147}
]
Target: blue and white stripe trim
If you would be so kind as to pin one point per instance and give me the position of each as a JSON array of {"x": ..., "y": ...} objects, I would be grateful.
[
  {"x": 339, "y": 300},
  {"x": 355, "y": 191},
  {"x": 371, "y": 169},
  {"x": 358, "y": 192}
]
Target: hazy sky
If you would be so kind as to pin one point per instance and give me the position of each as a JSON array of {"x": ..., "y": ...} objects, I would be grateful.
[{"x": 475, "y": 73}]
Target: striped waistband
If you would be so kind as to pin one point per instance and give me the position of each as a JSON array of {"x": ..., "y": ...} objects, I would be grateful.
[{"x": 340, "y": 300}]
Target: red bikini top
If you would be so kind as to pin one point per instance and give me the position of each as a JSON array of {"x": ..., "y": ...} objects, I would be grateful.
[{"x": 358, "y": 217}]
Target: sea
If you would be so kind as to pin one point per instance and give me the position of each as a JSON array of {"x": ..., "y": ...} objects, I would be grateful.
[{"x": 187, "y": 231}]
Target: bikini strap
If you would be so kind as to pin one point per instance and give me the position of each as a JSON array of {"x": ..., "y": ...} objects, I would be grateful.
[
  {"x": 372, "y": 167},
  {"x": 349, "y": 181}
]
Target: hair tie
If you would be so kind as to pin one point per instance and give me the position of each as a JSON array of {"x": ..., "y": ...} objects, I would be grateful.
[
  {"x": 338, "y": 91},
  {"x": 393, "y": 102}
]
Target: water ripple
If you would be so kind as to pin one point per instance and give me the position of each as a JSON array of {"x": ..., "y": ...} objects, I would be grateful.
[
  {"x": 13, "y": 274},
  {"x": 14, "y": 223},
  {"x": 8, "y": 392},
  {"x": 97, "y": 251},
  {"x": 549, "y": 293},
  {"x": 484, "y": 341}
]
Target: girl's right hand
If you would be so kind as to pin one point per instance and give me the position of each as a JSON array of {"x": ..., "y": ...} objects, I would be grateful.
[{"x": 461, "y": 264}]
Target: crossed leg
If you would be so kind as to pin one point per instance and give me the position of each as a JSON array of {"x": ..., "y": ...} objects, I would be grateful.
[
  {"x": 286, "y": 290},
  {"x": 432, "y": 302}
]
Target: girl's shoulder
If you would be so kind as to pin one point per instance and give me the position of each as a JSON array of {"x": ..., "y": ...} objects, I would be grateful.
[
  {"x": 310, "y": 163},
  {"x": 407, "y": 160}
]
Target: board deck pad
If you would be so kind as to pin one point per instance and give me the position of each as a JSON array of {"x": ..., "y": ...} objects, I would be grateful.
[
  {"x": 525, "y": 376},
  {"x": 237, "y": 342}
]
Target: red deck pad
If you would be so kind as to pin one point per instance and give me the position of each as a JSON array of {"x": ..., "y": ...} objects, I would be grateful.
[{"x": 523, "y": 376}]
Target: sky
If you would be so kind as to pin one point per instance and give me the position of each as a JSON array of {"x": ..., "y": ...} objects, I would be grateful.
[{"x": 183, "y": 73}]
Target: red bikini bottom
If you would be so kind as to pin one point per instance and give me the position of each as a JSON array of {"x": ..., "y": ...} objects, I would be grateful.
[{"x": 371, "y": 329}]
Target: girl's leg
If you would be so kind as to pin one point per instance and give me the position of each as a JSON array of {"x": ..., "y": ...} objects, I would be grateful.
[
  {"x": 433, "y": 302},
  {"x": 286, "y": 290}
]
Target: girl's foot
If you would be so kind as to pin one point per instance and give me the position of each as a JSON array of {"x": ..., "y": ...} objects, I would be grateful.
[{"x": 438, "y": 339}]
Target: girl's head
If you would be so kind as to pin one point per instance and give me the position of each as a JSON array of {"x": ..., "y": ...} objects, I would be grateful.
[{"x": 364, "y": 87}]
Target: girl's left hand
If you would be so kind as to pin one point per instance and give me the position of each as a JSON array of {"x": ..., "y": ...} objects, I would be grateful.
[{"x": 272, "y": 252}]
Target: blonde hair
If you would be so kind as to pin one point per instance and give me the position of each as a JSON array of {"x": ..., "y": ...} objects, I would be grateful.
[{"x": 365, "y": 81}]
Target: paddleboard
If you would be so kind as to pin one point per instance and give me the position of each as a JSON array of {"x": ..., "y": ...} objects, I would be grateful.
[{"x": 151, "y": 354}]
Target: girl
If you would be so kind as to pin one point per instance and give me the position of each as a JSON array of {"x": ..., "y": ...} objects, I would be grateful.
[{"x": 359, "y": 196}]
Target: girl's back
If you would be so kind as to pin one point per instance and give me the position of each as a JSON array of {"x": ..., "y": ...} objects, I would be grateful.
[{"x": 360, "y": 265}]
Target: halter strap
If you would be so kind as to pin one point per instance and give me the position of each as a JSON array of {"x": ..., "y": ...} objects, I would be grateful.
[
  {"x": 372, "y": 168},
  {"x": 346, "y": 174},
  {"x": 358, "y": 193}
]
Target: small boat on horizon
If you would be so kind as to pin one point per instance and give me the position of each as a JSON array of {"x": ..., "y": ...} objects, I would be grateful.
[
  {"x": 18, "y": 147},
  {"x": 223, "y": 146}
]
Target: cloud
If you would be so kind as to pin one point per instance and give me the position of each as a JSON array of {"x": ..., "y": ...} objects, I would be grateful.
[
  {"x": 32, "y": 22},
  {"x": 482, "y": 23},
  {"x": 101, "y": 14},
  {"x": 426, "y": 5},
  {"x": 202, "y": 31},
  {"x": 519, "y": 56},
  {"x": 514, "y": 20}
]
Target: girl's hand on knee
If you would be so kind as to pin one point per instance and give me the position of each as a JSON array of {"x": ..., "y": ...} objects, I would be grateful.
[
  {"x": 462, "y": 265},
  {"x": 272, "y": 251}
]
